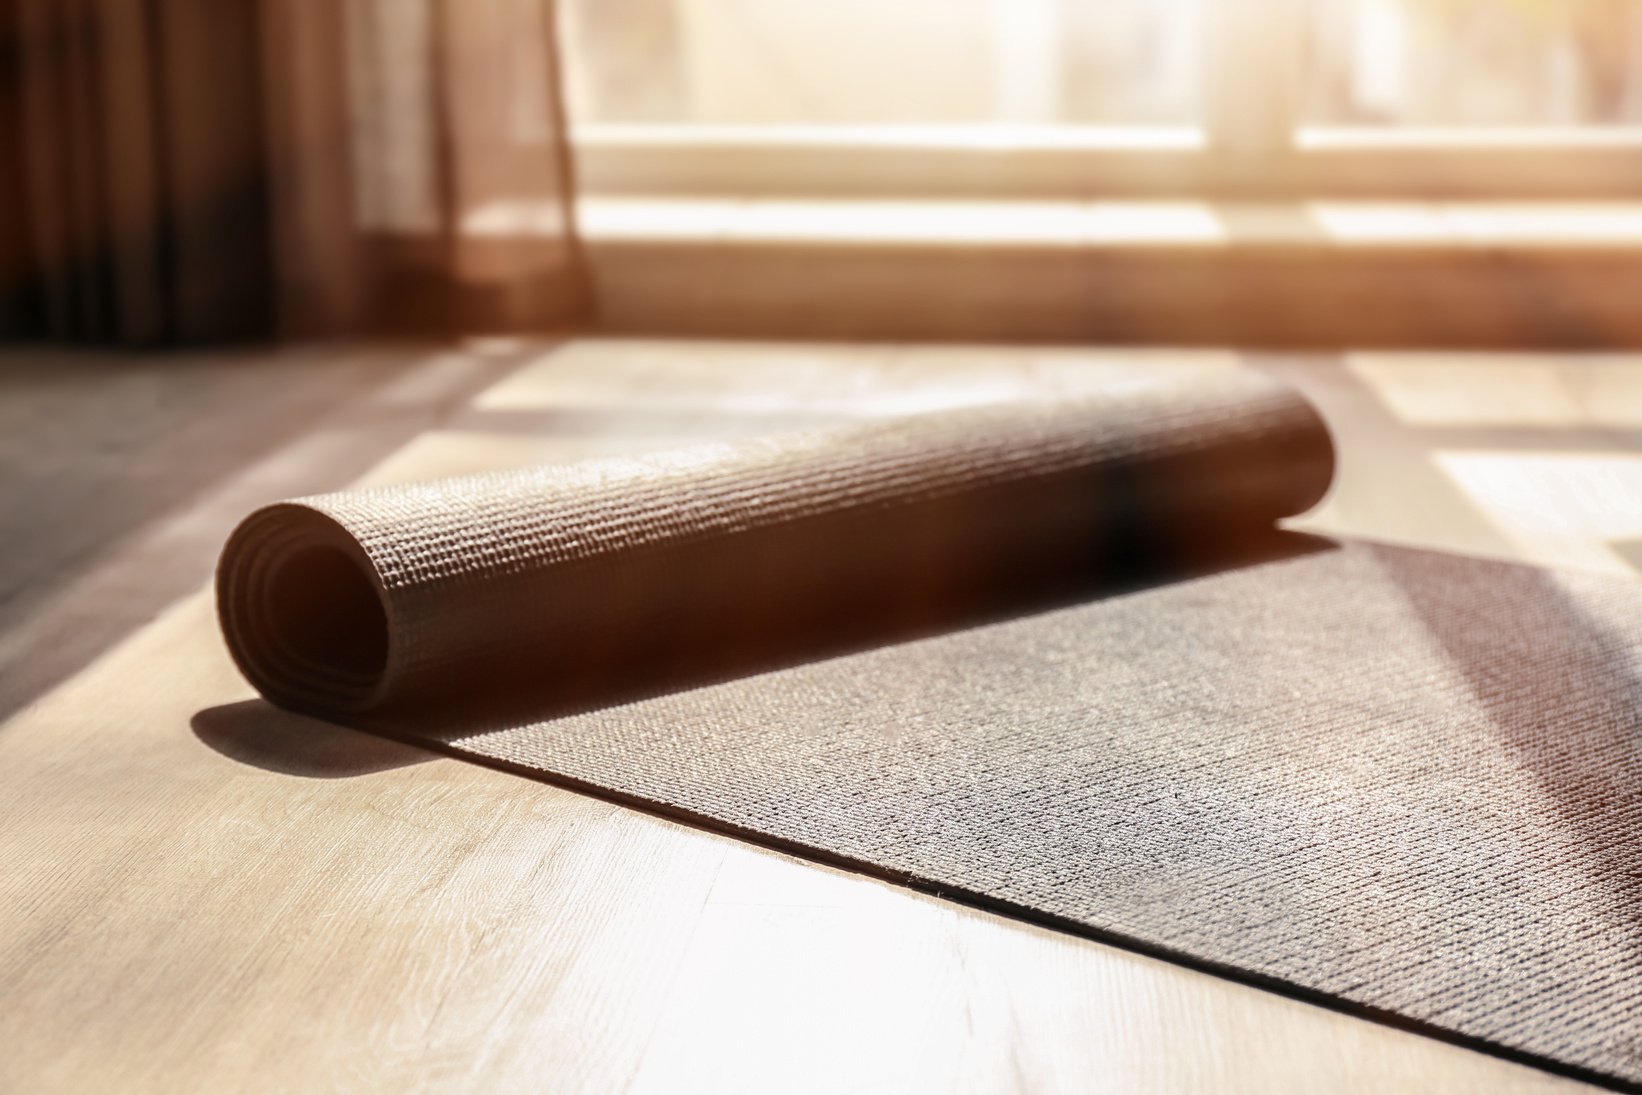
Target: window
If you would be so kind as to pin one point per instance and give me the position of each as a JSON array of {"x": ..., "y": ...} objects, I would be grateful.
[
  {"x": 1391, "y": 97},
  {"x": 871, "y": 63},
  {"x": 1474, "y": 63}
]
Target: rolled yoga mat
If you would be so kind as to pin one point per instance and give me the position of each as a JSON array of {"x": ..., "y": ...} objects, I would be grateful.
[
  {"x": 575, "y": 583},
  {"x": 1021, "y": 655}
]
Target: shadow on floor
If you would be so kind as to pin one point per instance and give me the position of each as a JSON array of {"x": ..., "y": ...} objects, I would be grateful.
[
  {"x": 125, "y": 472},
  {"x": 257, "y": 733}
]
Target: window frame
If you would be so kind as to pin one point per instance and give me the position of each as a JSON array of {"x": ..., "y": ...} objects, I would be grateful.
[{"x": 1251, "y": 143}]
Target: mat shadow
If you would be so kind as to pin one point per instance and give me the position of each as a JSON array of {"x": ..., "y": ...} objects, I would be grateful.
[
  {"x": 1569, "y": 710},
  {"x": 604, "y": 678},
  {"x": 257, "y": 733}
]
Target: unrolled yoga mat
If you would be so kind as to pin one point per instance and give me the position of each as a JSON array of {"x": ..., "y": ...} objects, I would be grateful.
[{"x": 1402, "y": 782}]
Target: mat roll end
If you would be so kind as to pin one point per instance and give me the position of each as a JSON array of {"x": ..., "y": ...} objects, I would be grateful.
[{"x": 303, "y": 611}]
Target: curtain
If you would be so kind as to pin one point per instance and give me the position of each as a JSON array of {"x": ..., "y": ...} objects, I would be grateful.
[{"x": 189, "y": 171}]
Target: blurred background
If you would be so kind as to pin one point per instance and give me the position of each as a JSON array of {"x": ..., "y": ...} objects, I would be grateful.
[
  {"x": 1094, "y": 62},
  {"x": 1273, "y": 172}
]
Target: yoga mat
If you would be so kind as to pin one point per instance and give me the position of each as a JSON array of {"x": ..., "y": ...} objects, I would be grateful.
[
  {"x": 1402, "y": 783},
  {"x": 577, "y": 583}
]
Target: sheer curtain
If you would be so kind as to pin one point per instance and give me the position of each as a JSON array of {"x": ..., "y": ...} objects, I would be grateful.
[{"x": 195, "y": 170}]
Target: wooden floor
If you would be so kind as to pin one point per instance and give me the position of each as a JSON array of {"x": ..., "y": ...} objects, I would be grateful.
[{"x": 197, "y": 894}]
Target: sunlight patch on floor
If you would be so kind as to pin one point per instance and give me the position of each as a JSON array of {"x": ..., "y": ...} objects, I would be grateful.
[
  {"x": 1575, "y": 503},
  {"x": 1506, "y": 390}
]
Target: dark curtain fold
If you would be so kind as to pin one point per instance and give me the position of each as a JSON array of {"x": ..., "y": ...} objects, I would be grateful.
[
  {"x": 15, "y": 302},
  {"x": 189, "y": 171}
]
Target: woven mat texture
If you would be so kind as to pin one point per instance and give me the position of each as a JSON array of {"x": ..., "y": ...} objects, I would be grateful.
[{"x": 1407, "y": 782}]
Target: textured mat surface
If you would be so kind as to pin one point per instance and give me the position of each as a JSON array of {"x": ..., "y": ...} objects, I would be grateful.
[
  {"x": 1407, "y": 781},
  {"x": 1402, "y": 782}
]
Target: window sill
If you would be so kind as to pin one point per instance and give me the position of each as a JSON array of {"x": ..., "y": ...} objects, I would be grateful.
[
  {"x": 1176, "y": 272},
  {"x": 1004, "y": 162}
]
